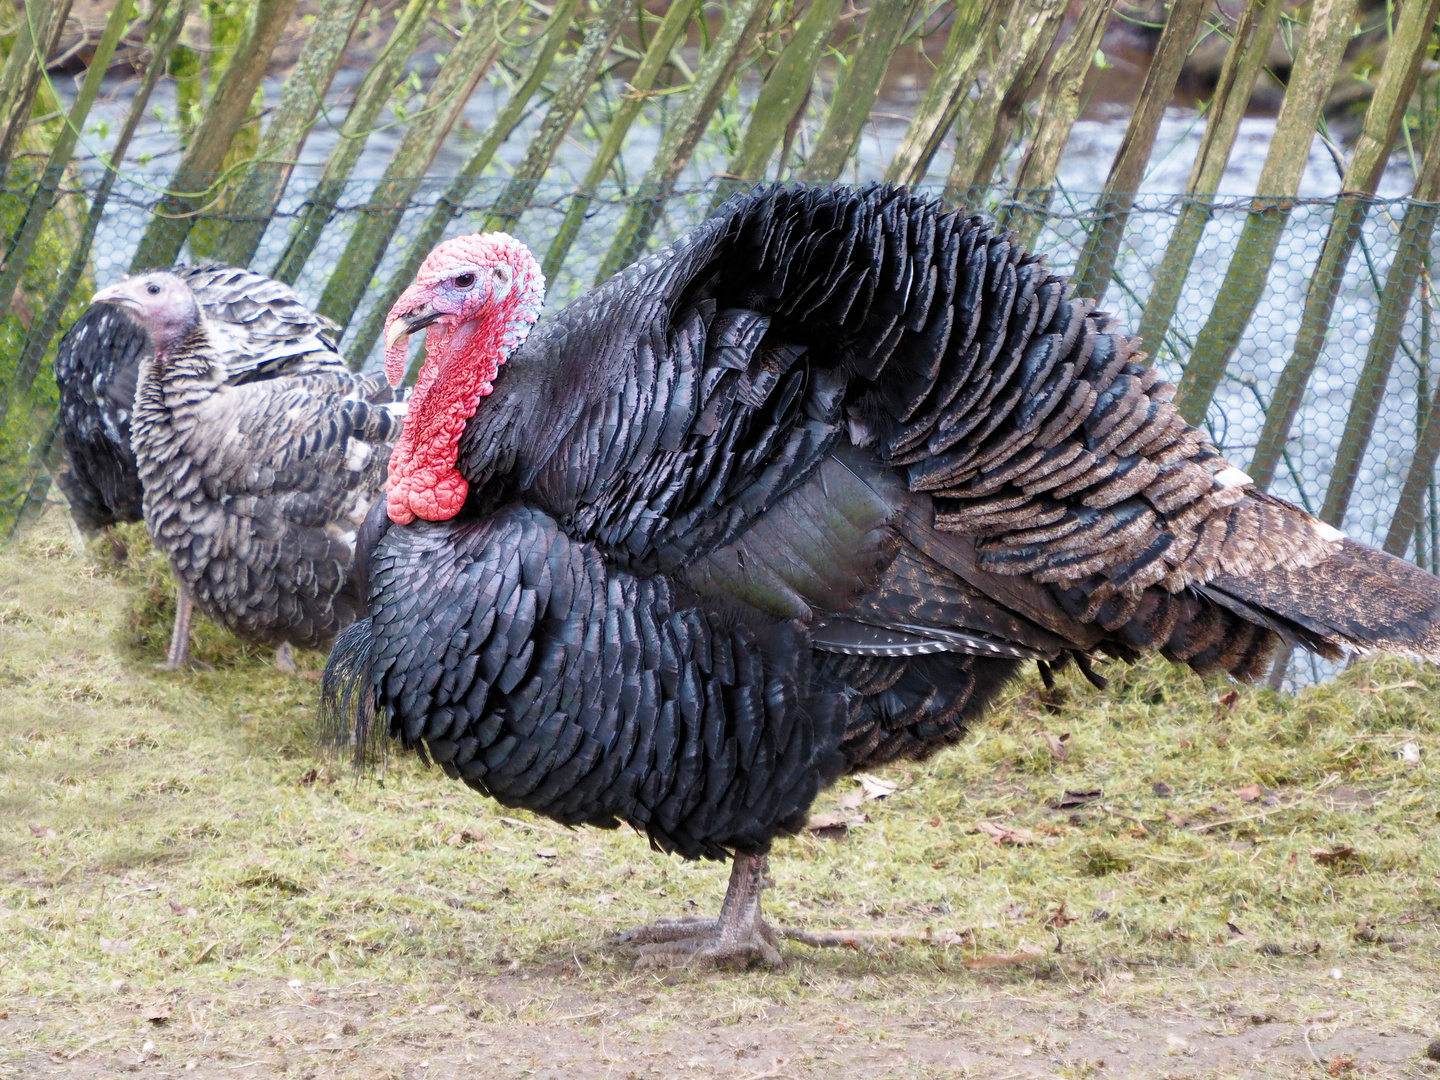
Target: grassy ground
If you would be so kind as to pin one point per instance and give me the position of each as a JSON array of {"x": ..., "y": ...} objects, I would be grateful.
[{"x": 186, "y": 890}]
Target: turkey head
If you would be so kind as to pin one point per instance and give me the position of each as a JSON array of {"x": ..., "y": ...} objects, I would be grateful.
[
  {"x": 160, "y": 302},
  {"x": 477, "y": 297}
]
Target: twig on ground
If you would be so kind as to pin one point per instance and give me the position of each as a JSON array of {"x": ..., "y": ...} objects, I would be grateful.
[{"x": 92, "y": 1042}]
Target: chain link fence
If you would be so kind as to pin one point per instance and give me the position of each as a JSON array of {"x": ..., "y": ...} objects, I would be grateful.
[{"x": 1060, "y": 225}]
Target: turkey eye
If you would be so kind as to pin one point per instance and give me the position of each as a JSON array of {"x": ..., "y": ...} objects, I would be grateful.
[
  {"x": 464, "y": 281},
  {"x": 153, "y": 290}
]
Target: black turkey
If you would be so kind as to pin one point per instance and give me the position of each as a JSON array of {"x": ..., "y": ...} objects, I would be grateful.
[
  {"x": 794, "y": 496},
  {"x": 254, "y": 490},
  {"x": 261, "y": 330}
]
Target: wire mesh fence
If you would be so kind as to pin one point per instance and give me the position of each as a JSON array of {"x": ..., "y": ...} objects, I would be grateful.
[{"x": 1376, "y": 469}]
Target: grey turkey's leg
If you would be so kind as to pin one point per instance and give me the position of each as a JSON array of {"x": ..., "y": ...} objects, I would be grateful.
[
  {"x": 738, "y": 938},
  {"x": 285, "y": 659},
  {"x": 179, "y": 654}
]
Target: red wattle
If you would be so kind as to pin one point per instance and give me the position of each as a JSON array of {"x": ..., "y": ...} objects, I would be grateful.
[{"x": 461, "y": 363}]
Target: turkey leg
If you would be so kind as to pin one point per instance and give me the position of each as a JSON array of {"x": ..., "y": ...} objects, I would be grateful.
[
  {"x": 738, "y": 938},
  {"x": 179, "y": 654}
]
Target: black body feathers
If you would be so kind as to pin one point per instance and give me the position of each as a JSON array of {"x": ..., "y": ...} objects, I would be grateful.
[{"x": 798, "y": 493}]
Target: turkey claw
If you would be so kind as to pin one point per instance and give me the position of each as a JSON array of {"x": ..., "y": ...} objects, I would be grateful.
[{"x": 702, "y": 943}]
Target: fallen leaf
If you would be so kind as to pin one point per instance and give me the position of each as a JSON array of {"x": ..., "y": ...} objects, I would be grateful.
[
  {"x": 851, "y": 800},
  {"x": 1410, "y": 753},
  {"x": 828, "y": 826},
  {"x": 463, "y": 837},
  {"x": 546, "y": 853},
  {"x": 1059, "y": 920},
  {"x": 875, "y": 787},
  {"x": 1226, "y": 702},
  {"x": 1251, "y": 792},
  {"x": 1059, "y": 745},
  {"x": 1335, "y": 856},
  {"x": 1012, "y": 835},
  {"x": 1023, "y": 955},
  {"x": 42, "y": 832},
  {"x": 1162, "y": 789},
  {"x": 159, "y": 1014},
  {"x": 952, "y": 937},
  {"x": 309, "y": 778},
  {"x": 1075, "y": 798}
]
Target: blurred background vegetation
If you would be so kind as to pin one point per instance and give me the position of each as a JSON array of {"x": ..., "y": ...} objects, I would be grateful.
[{"x": 1249, "y": 184}]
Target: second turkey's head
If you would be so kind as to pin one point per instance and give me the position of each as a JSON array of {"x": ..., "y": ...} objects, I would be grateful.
[
  {"x": 159, "y": 301},
  {"x": 476, "y": 297}
]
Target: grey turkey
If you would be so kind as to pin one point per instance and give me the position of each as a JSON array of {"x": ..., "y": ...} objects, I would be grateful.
[
  {"x": 261, "y": 330},
  {"x": 255, "y": 490},
  {"x": 794, "y": 496}
]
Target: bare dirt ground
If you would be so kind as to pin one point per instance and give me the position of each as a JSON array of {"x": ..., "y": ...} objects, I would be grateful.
[{"x": 1164, "y": 881}]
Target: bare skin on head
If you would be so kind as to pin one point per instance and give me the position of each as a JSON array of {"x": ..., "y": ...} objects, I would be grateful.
[
  {"x": 160, "y": 302},
  {"x": 477, "y": 297}
]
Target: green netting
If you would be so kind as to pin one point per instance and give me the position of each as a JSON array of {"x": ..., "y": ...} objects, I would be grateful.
[{"x": 1379, "y": 465}]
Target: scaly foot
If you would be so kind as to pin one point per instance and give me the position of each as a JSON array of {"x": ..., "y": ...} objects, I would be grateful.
[{"x": 705, "y": 943}]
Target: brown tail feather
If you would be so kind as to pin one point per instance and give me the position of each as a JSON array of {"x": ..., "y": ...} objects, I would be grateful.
[{"x": 1358, "y": 599}]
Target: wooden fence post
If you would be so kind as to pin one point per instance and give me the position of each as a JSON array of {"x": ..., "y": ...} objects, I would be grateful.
[
  {"x": 1310, "y": 82},
  {"x": 1415, "y": 233},
  {"x": 466, "y": 64},
  {"x": 742, "y": 23},
  {"x": 677, "y": 18},
  {"x": 1102, "y": 248},
  {"x": 974, "y": 26},
  {"x": 780, "y": 100},
  {"x": 165, "y": 29},
  {"x": 1408, "y": 47},
  {"x": 1243, "y": 61},
  {"x": 855, "y": 93},
  {"x": 448, "y": 205},
  {"x": 196, "y": 173},
  {"x": 1059, "y": 106},
  {"x": 17, "y": 257},
  {"x": 564, "y": 106},
  {"x": 1032, "y": 27},
  {"x": 300, "y": 101},
  {"x": 40, "y": 27},
  {"x": 370, "y": 98}
]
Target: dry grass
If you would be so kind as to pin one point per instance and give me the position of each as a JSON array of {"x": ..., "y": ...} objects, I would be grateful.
[{"x": 178, "y": 872}]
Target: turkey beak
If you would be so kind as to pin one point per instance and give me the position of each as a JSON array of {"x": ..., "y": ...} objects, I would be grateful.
[
  {"x": 115, "y": 294},
  {"x": 410, "y": 323}
]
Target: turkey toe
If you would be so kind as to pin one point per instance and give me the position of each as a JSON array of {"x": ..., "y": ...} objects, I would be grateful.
[{"x": 702, "y": 943}]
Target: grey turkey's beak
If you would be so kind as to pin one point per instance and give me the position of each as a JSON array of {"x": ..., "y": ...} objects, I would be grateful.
[
  {"x": 115, "y": 294},
  {"x": 410, "y": 323}
]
